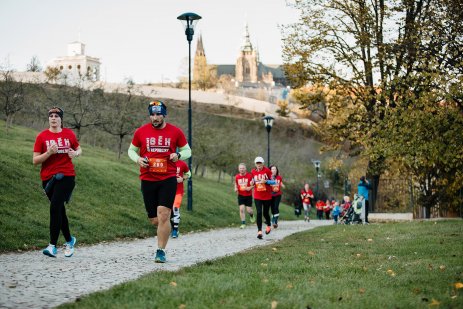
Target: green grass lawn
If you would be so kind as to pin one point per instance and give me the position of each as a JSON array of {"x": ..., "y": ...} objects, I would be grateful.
[
  {"x": 106, "y": 203},
  {"x": 395, "y": 265}
]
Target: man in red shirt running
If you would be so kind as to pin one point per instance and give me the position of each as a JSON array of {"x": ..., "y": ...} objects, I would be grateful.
[
  {"x": 243, "y": 186},
  {"x": 262, "y": 194},
  {"x": 153, "y": 148},
  {"x": 183, "y": 173}
]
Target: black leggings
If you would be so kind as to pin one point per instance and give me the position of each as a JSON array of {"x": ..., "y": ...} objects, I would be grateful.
[
  {"x": 276, "y": 205},
  {"x": 60, "y": 193},
  {"x": 266, "y": 205}
]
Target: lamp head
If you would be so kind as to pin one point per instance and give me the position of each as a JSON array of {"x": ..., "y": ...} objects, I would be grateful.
[{"x": 189, "y": 21}]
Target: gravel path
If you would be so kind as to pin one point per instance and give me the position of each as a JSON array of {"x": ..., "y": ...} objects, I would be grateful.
[{"x": 32, "y": 280}]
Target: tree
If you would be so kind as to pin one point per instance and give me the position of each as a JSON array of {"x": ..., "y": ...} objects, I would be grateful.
[
  {"x": 119, "y": 117},
  {"x": 12, "y": 95},
  {"x": 34, "y": 65},
  {"x": 52, "y": 74},
  {"x": 375, "y": 56},
  {"x": 80, "y": 100}
]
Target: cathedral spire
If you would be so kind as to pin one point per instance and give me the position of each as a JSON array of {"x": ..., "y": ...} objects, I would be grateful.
[
  {"x": 199, "y": 47},
  {"x": 247, "y": 46}
]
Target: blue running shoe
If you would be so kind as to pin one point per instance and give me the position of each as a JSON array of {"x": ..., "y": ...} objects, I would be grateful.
[
  {"x": 175, "y": 233},
  {"x": 160, "y": 256},
  {"x": 50, "y": 251},
  {"x": 69, "y": 247}
]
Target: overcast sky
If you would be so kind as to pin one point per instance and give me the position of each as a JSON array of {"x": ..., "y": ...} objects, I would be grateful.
[{"x": 141, "y": 39}]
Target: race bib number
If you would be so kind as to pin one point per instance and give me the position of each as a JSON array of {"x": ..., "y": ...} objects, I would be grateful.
[
  {"x": 261, "y": 187},
  {"x": 242, "y": 188},
  {"x": 157, "y": 165},
  {"x": 276, "y": 188}
]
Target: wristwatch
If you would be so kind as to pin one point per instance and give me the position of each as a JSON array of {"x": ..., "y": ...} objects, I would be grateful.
[{"x": 178, "y": 155}]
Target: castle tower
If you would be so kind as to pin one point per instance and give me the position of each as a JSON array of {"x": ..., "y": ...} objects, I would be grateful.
[{"x": 246, "y": 64}]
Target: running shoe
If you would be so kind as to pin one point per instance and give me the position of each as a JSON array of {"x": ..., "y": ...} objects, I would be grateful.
[
  {"x": 267, "y": 230},
  {"x": 253, "y": 219},
  {"x": 50, "y": 251},
  {"x": 160, "y": 256},
  {"x": 242, "y": 226},
  {"x": 259, "y": 234},
  {"x": 175, "y": 233},
  {"x": 275, "y": 225},
  {"x": 69, "y": 247}
]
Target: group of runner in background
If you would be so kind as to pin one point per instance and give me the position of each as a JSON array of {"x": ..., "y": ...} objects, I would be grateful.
[{"x": 264, "y": 184}]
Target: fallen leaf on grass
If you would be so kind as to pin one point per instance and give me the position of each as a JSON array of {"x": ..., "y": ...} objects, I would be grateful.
[
  {"x": 458, "y": 285},
  {"x": 311, "y": 253},
  {"x": 173, "y": 283},
  {"x": 391, "y": 273},
  {"x": 182, "y": 306},
  {"x": 263, "y": 264},
  {"x": 289, "y": 286},
  {"x": 274, "y": 249},
  {"x": 430, "y": 267},
  {"x": 417, "y": 290},
  {"x": 274, "y": 304},
  {"x": 442, "y": 268},
  {"x": 369, "y": 239},
  {"x": 358, "y": 255},
  {"x": 362, "y": 290},
  {"x": 434, "y": 302}
]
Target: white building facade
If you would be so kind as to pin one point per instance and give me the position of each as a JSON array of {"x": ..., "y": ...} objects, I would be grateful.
[{"x": 76, "y": 64}]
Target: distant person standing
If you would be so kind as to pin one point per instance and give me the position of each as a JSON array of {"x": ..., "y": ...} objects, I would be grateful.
[
  {"x": 183, "y": 173},
  {"x": 362, "y": 188},
  {"x": 243, "y": 186},
  {"x": 327, "y": 209},
  {"x": 262, "y": 194},
  {"x": 336, "y": 212},
  {"x": 54, "y": 149},
  {"x": 276, "y": 194},
  {"x": 320, "y": 206},
  {"x": 153, "y": 148},
  {"x": 306, "y": 195}
]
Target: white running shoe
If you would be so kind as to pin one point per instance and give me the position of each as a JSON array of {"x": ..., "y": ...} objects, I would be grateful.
[
  {"x": 69, "y": 247},
  {"x": 50, "y": 251}
]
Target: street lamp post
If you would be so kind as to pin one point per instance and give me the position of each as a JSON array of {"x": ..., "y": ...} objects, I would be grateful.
[
  {"x": 268, "y": 123},
  {"x": 317, "y": 163},
  {"x": 189, "y": 21}
]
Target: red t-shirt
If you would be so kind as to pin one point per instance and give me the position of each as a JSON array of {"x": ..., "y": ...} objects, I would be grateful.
[
  {"x": 320, "y": 205},
  {"x": 182, "y": 168},
  {"x": 243, "y": 181},
  {"x": 306, "y": 196},
  {"x": 262, "y": 191},
  {"x": 157, "y": 145},
  {"x": 276, "y": 189},
  {"x": 58, "y": 162}
]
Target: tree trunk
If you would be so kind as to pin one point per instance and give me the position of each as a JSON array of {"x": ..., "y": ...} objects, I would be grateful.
[
  {"x": 203, "y": 171},
  {"x": 119, "y": 149}
]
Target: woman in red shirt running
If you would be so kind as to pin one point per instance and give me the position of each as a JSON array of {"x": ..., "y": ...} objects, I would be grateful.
[
  {"x": 306, "y": 195},
  {"x": 262, "y": 194},
  {"x": 54, "y": 149},
  {"x": 276, "y": 194}
]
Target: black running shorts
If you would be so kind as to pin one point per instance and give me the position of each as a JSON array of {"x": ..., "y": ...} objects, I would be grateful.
[
  {"x": 245, "y": 200},
  {"x": 158, "y": 193}
]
